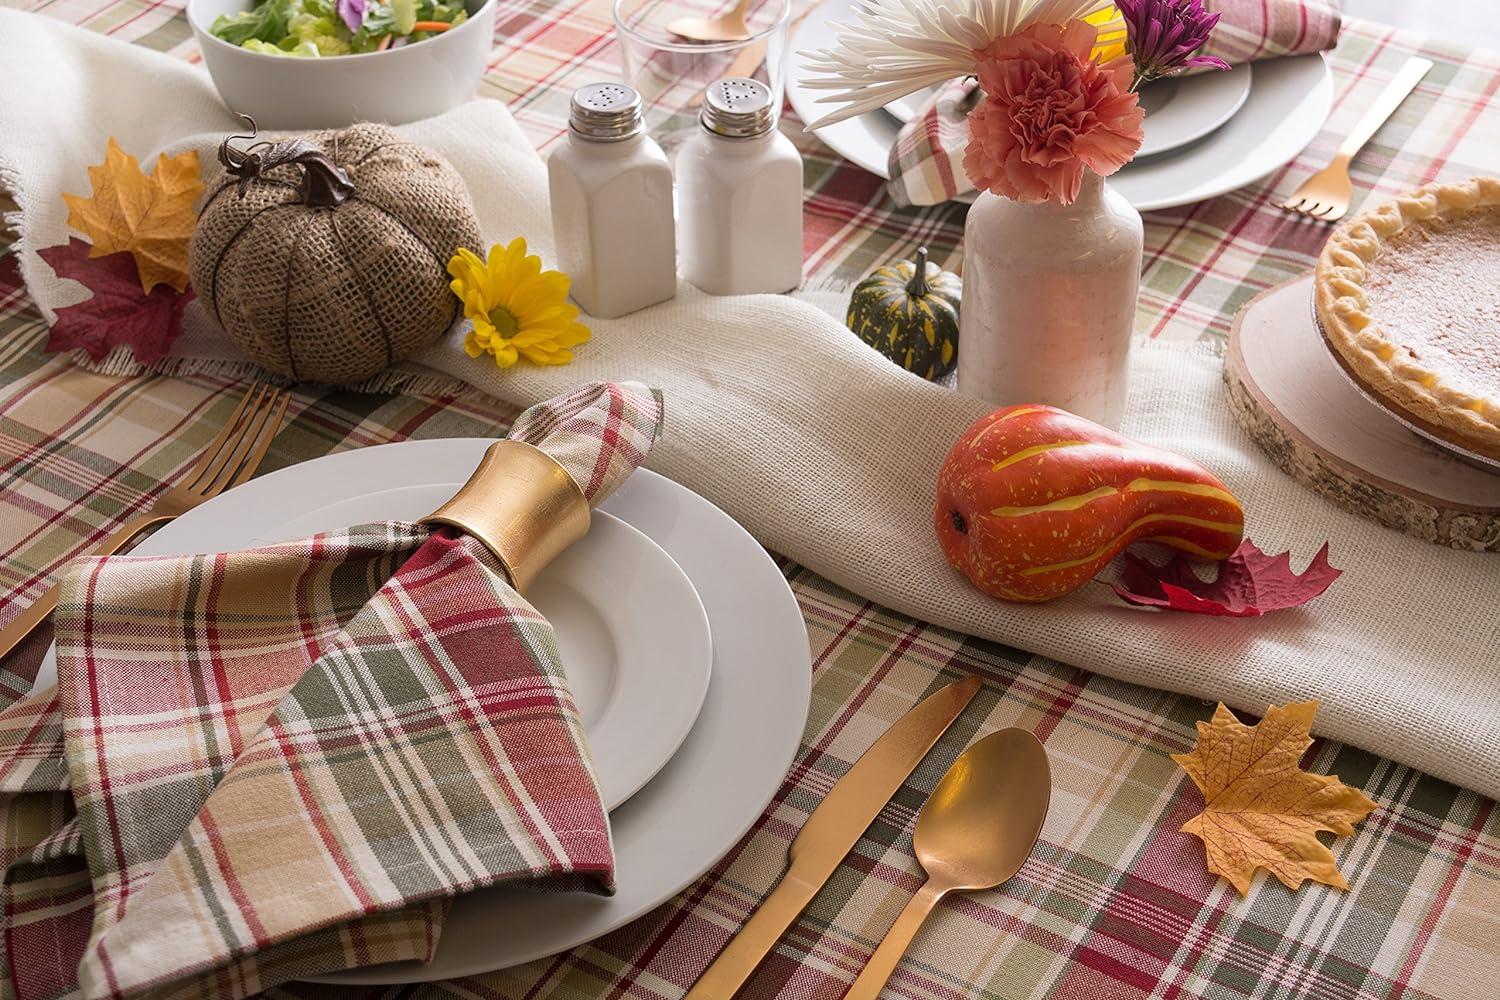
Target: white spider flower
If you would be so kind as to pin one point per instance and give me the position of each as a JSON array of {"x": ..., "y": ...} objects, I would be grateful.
[{"x": 896, "y": 47}]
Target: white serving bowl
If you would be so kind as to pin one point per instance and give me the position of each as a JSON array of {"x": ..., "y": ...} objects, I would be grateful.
[{"x": 395, "y": 86}]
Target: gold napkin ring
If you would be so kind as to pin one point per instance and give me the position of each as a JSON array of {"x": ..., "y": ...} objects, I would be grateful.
[{"x": 522, "y": 505}]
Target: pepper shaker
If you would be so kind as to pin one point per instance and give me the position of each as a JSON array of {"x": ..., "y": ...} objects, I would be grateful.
[
  {"x": 611, "y": 191},
  {"x": 739, "y": 185}
]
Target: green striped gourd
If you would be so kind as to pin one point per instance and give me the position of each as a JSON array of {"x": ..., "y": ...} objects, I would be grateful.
[{"x": 908, "y": 311}]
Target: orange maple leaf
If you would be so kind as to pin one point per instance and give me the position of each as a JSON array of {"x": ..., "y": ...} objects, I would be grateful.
[
  {"x": 149, "y": 217},
  {"x": 1261, "y": 810}
]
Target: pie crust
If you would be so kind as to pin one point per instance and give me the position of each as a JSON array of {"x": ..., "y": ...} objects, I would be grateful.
[{"x": 1407, "y": 296}]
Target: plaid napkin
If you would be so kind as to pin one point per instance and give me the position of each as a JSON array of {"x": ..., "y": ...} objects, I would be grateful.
[
  {"x": 282, "y": 762},
  {"x": 927, "y": 161}
]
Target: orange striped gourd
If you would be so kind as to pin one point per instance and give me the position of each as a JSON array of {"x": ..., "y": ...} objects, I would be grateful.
[{"x": 1033, "y": 501}]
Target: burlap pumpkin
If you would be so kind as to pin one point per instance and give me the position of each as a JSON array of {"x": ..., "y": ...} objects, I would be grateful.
[{"x": 325, "y": 257}]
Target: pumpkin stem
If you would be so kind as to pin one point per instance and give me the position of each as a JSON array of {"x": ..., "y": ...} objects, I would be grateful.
[
  {"x": 324, "y": 183},
  {"x": 917, "y": 286}
]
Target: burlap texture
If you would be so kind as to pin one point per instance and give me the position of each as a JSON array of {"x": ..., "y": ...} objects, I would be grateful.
[{"x": 336, "y": 294}]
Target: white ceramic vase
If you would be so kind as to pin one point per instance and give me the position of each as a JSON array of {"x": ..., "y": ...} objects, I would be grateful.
[{"x": 1049, "y": 301}]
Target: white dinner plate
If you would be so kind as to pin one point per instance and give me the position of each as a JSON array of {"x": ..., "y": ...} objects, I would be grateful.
[
  {"x": 903, "y": 109},
  {"x": 633, "y": 635},
  {"x": 717, "y": 784},
  {"x": 709, "y": 793},
  {"x": 1286, "y": 107},
  {"x": 1179, "y": 110}
]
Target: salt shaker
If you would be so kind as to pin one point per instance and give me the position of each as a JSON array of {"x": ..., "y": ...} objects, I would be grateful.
[
  {"x": 611, "y": 190},
  {"x": 739, "y": 188}
]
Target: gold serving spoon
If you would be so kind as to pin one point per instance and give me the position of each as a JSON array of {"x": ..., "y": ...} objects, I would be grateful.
[
  {"x": 975, "y": 832},
  {"x": 730, "y": 27}
]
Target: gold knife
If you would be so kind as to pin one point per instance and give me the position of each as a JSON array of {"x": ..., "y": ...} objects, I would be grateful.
[{"x": 831, "y": 832}]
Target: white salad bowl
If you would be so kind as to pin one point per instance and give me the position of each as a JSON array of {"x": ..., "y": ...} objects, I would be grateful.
[{"x": 395, "y": 86}]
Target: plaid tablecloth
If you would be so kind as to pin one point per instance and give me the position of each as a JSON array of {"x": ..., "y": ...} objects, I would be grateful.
[{"x": 1115, "y": 902}]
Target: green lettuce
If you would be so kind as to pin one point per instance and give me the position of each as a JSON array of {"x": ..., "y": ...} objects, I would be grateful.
[
  {"x": 266, "y": 22},
  {"x": 301, "y": 49},
  {"x": 403, "y": 16},
  {"x": 322, "y": 32}
]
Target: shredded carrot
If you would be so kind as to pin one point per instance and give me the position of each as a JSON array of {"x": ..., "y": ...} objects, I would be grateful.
[
  {"x": 384, "y": 43},
  {"x": 430, "y": 26}
]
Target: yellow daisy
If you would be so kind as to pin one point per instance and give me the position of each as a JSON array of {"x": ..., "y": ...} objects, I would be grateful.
[{"x": 518, "y": 310}]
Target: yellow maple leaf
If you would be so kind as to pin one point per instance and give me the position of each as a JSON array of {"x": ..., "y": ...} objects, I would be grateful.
[
  {"x": 150, "y": 217},
  {"x": 1261, "y": 810}
]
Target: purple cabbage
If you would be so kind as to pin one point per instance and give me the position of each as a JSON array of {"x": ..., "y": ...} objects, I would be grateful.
[{"x": 352, "y": 12}]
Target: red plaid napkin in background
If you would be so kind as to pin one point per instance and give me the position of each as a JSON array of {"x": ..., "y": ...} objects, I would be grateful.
[
  {"x": 282, "y": 762},
  {"x": 926, "y": 163}
]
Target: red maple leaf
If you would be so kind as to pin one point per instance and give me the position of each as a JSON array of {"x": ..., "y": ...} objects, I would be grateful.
[
  {"x": 119, "y": 312},
  {"x": 1249, "y": 583}
]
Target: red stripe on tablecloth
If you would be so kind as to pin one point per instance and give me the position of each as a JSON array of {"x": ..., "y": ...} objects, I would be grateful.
[
  {"x": 151, "y": 5},
  {"x": 1476, "y": 105},
  {"x": 1061, "y": 705},
  {"x": 1436, "y": 913}
]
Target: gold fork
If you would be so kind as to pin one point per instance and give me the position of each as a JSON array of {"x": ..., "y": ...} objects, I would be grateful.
[
  {"x": 1325, "y": 195},
  {"x": 229, "y": 460}
]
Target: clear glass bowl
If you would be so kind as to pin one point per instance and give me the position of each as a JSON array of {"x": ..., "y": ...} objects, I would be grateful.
[{"x": 671, "y": 73}]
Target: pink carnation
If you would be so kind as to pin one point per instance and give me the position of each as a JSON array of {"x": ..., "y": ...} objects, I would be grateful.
[{"x": 1048, "y": 112}]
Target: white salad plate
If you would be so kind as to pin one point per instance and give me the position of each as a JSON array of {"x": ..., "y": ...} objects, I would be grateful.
[
  {"x": 633, "y": 635},
  {"x": 1288, "y": 102},
  {"x": 1179, "y": 110},
  {"x": 737, "y": 753},
  {"x": 1184, "y": 109}
]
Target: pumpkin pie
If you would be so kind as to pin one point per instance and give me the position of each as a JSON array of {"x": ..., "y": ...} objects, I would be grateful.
[{"x": 1408, "y": 298}]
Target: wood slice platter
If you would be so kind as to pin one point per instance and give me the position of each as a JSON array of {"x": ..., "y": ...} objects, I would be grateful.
[{"x": 1289, "y": 393}]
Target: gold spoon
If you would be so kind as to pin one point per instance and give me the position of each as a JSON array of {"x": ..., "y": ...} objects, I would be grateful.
[
  {"x": 975, "y": 832},
  {"x": 730, "y": 27}
]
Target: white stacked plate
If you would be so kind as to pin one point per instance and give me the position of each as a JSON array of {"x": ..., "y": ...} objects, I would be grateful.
[
  {"x": 1204, "y": 134},
  {"x": 683, "y": 645}
]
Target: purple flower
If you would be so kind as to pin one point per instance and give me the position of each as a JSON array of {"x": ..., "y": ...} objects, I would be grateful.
[
  {"x": 352, "y": 12},
  {"x": 1165, "y": 36}
]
